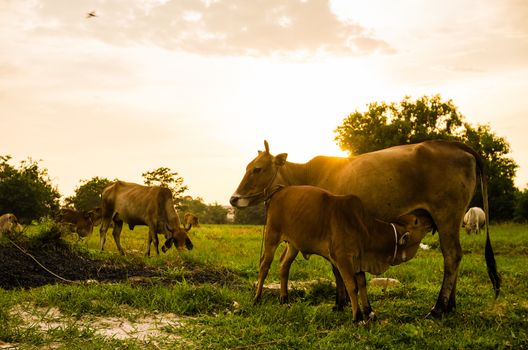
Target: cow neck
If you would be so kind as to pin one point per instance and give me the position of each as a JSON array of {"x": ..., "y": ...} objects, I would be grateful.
[{"x": 294, "y": 174}]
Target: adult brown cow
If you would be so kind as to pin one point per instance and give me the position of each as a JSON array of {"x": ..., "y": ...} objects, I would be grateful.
[
  {"x": 439, "y": 177},
  {"x": 142, "y": 205},
  {"x": 79, "y": 221},
  {"x": 314, "y": 221}
]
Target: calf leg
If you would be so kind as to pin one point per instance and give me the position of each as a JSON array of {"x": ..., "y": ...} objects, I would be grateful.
[
  {"x": 341, "y": 293},
  {"x": 287, "y": 258},
  {"x": 116, "y": 232},
  {"x": 365, "y": 303},
  {"x": 271, "y": 242}
]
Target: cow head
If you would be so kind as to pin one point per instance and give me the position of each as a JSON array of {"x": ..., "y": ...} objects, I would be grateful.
[
  {"x": 260, "y": 177},
  {"x": 96, "y": 215},
  {"x": 84, "y": 225},
  {"x": 180, "y": 239}
]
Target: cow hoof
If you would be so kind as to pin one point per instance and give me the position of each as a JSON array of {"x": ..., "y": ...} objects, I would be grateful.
[
  {"x": 434, "y": 313},
  {"x": 337, "y": 307},
  {"x": 283, "y": 300}
]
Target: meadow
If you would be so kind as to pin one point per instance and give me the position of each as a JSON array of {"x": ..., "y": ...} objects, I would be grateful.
[{"x": 212, "y": 307}]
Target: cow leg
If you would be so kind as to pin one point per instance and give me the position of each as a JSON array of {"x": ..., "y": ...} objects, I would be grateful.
[
  {"x": 341, "y": 293},
  {"x": 102, "y": 231},
  {"x": 152, "y": 237},
  {"x": 452, "y": 252},
  {"x": 287, "y": 258},
  {"x": 362, "y": 286},
  {"x": 271, "y": 242},
  {"x": 116, "y": 232}
]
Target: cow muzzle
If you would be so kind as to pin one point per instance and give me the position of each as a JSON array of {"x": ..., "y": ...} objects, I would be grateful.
[{"x": 239, "y": 202}]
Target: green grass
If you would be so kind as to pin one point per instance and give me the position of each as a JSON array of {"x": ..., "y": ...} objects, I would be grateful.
[{"x": 222, "y": 315}]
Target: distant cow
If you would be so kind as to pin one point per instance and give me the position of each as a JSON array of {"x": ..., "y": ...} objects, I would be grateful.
[
  {"x": 190, "y": 220},
  {"x": 80, "y": 221},
  {"x": 97, "y": 215},
  {"x": 142, "y": 205},
  {"x": 9, "y": 224},
  {"x": 474, "y": 220},
  {"x": 314, "y": 221}
]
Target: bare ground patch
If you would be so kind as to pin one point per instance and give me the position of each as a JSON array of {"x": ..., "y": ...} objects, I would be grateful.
[
  {"x": 155, "y": 328},
  {"x": 20, "y": 270}
]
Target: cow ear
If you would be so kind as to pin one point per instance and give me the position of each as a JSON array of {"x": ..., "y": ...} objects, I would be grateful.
[{"x": 280, "y": 159}]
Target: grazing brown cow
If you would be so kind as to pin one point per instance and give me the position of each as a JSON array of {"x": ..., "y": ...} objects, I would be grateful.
[
  {"x": 438, "y": 177},
  {"x": 9, "y": 224},
  {"x": 474, "y": 220},
  {"x": 79, "y": 221},
  {"x": 313, "y": 221},
  {"x": 142, "y": 205},
  {"x": 190, "y": 220}
]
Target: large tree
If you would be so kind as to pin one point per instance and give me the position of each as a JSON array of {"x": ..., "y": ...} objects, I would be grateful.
[
  {"x": 165, "y": 177},
  {"x": 88, "y": 195},
  {"x": 409, "y": 121},
  {"x": 26, "y": 191}
]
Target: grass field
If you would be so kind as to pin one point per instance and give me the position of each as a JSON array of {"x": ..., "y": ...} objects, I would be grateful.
[{"x": 169, "y": 311}]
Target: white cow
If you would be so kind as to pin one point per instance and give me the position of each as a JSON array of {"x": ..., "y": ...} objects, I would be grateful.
[{"x": 474, "y": 220}]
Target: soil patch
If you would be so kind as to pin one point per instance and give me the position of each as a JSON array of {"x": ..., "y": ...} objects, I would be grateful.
[{"x": 19, "y": 270}]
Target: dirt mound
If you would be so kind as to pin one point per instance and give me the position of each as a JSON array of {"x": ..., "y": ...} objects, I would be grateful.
[{"x": 19, "y": 270}]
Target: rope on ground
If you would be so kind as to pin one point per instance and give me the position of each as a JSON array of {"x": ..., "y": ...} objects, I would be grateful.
[{"x": 44, "y": 267}]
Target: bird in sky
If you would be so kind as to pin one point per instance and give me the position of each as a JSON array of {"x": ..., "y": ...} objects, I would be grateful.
[{"x": 91, "y": 14}]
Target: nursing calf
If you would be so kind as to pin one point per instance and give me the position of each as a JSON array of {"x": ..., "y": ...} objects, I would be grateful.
[{"x": 314, "y": 221}]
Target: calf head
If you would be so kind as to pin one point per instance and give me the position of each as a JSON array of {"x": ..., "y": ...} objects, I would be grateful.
[
  {"x": 259, "y": 178},
  {"x": 412, "y": 229}
]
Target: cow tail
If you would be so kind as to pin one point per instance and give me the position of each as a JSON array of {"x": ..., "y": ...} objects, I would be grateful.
[{"x": 488, "y": 252}]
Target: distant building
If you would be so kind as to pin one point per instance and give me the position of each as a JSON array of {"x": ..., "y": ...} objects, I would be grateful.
[{"x": 230, "y": 214}]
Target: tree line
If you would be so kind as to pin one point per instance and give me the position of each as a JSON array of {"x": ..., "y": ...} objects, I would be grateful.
[{"x": 27, "y": 190}]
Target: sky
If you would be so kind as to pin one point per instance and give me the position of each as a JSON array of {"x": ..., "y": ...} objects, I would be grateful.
[{"x": 198, "y": 85}]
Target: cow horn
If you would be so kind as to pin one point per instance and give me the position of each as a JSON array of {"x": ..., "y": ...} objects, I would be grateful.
[{"x": 266, "y": 146}]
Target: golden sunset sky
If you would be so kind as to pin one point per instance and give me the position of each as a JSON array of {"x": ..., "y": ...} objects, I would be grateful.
[{"x": 197, "y": 86}]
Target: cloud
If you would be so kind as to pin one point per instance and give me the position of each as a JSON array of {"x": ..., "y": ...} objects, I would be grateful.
[{"x": 222, "y": 27}]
